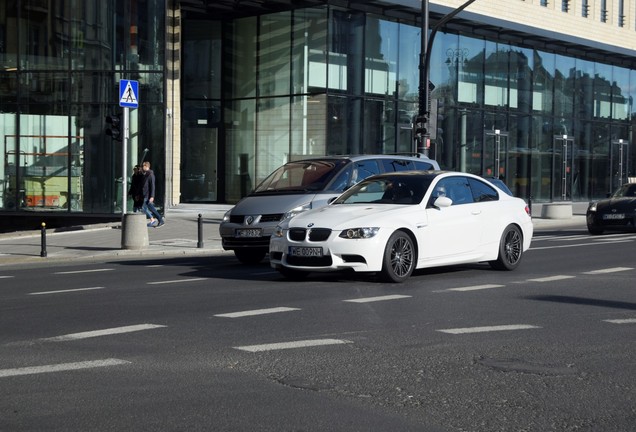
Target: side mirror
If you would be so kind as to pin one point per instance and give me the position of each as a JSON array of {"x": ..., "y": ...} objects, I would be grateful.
[
  {"x": 332, "y": 199},
  {"x": 443, "y": 202}
]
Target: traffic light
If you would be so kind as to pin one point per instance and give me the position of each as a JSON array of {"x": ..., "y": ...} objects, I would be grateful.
[
  {"x": 421, "y": 125},
  {"x": 113, "y": 126}
]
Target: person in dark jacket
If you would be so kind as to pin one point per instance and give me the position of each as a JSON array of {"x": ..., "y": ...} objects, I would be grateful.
[
  {"x": 136, "y": 190},
  {"x": 156, "y": 220}
]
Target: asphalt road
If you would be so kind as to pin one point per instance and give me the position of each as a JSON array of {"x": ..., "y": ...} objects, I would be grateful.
[{"x": 204, "y": 343}]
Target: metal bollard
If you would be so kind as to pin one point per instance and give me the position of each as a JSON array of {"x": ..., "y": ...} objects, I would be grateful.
[
  {"x": 200, "y": 232},
  {"x": 43, "y": 236}
]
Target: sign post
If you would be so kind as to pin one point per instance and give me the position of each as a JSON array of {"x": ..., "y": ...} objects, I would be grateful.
[{"x": 128, "y": 98}]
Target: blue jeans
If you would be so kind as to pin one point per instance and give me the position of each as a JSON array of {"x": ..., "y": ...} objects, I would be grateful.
[{"x": 151, "y": 211}]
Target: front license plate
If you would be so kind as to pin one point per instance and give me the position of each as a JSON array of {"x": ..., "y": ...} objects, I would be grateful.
[
  {"x": 614, "y": 216},
  {"x": 305, "y": 251},
  {"x": 252, "y": 232}
]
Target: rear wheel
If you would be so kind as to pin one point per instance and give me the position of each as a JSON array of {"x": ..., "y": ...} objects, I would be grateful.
[
  {"x": 399, "y": 258},
  {"x": 510, "y": 249},
  {"x": 249, "y": 256}
]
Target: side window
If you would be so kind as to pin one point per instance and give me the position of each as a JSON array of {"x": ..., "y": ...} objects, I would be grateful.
[
  {"x": 423, "y": 166},
  {"x": 455, "y": 188},
  {"x": 392, "y": 165},
  {"x": 364, "y": 169},
  {"x": 482, "y": 192}
]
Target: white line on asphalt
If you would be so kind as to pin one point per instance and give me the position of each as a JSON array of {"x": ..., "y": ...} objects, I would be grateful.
[
  {"x": 104, "y": 332},
  {"x": 85, "y": 271},
  {"x": 579, "y": 245},
  {"x": 475, "y": 287},
  {"x": 60, "y": 367},
  {"x": 551, "y": 278},
  {"x": 175, "y": 281},
  {"x": 622, "y": 321},
  {"x": 608, "y": 270},
  {"x": 379, "y": 298},
  {"x": 6, "y": 277},
  {"x": 65, "y": 291},
  {"x": 256, "y": 312},
  {"x": 291, "y": 345},
  {"x": 154, "y": 265},
  {"x": 489, "y": 329}
]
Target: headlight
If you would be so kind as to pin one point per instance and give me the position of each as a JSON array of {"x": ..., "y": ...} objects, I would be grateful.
[
  {"x": 226, "y": 216},
  {"x": 592, "y": 207},
  {"x": 278, "y": 231},
  {"x": 359, "y": 233},
  {"x": 297, "y": 210}
]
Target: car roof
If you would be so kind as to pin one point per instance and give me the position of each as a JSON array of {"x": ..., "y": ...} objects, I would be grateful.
[{"x": 358, "y": 157}]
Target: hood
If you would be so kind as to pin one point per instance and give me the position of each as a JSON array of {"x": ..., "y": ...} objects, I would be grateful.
[
  {"x": 342, "y": 216},
  {"x": 270, "y": 204},
  {"x": 626, "y": 204}
]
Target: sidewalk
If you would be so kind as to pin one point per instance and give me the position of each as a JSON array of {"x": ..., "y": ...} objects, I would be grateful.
[{"x": 179, "y": 236}]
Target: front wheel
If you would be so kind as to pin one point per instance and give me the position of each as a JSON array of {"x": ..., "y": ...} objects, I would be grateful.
[
  {"x": 399, "y": 258},
  {"x": 594, "y": 229},
  {"x": 510, "y": 249}
]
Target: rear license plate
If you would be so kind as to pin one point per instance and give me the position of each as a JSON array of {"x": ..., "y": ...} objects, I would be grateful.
[
  {"x": 305, "y": 251},
  {"x": 614, "y": 216},
  {"x": 252, "y": 232}
]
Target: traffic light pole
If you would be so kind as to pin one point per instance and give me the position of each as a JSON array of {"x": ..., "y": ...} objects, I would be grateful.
[
  {"x": 124, "y": 152},
  {"x": 422, "y": 122}
]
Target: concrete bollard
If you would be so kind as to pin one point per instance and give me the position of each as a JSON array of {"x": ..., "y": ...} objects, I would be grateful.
[
  {"x": 134, "y": 231},
  {"x": 557, "y": 210}
]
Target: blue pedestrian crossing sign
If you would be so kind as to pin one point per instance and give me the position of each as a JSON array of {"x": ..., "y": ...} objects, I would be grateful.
[{"x": 128, "y": 93}]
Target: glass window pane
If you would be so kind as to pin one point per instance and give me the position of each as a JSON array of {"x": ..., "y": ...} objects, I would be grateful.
[
  {"x": 11, "y": 163},
  {"x": 496, "y": 74},
  {"x": 49, "y": 92},
  {"x": 44, "y": 42},
  {"x": 309, "y": 125},
  {"x": 91, "y": 34},
  {"x": 543, "y": 84},
  {"x": 201, "y": 63},
  {"x": 602, "y": 90},
  {"x": 381, "y": 52},
  {"x": 8, "y": 35},
  {"x": 274, "y": 67},
  {"x": 620, "y": 94},
  {"x": 309, "y": 46},
  {"x": 409, "y": 60},
  {"x": 521, "y": 65},
  {"x": 564, "y": 73},
  {"x": 239, "y": 156},
  {"x": 466, "y": 62},
  {"x": 272, "y": 137},
  {"x": 241, "y": 58}
]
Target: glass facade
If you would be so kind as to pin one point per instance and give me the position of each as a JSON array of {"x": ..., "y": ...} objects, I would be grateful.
[
  {"x": 60, "y": 66},
  {"x": 258, "y": 91}
]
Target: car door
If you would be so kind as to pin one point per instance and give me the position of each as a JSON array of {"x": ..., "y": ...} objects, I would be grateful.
[{"x": 452, "y": 233}]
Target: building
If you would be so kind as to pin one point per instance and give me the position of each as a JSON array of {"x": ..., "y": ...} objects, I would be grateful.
[{"x": 539, "y": 93}]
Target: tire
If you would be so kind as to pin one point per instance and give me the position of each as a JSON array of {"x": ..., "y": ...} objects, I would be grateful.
[
  {"x": 399, "y": 258},
  {"x": 249, "y": 256},
  {"x": 594, "y": 229},
  {"x": 510, "y": 249},
  {"x": 292, "y": 274}
]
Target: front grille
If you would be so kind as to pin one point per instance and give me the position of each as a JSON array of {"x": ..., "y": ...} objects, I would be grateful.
[
  {"x": 240, "y": 219},
  {"x": 319, "y": 234},
  {"x": 323, "y": 261},
  {"x": 297, "y": 234}
]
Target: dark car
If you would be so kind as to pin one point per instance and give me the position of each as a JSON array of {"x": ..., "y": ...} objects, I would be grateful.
[{"x": 617, "y": 211}]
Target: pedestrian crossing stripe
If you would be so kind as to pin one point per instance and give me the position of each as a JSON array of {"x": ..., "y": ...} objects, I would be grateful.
[{"x": 128, "y": 93}]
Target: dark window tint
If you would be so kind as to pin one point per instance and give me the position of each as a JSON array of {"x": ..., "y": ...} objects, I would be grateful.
[
  {"x": 392, "y": 165},
  {"x": 423, "y": 166},
  {"x": 482, "y": 192},
  {"x": 455, "y": 188},
  {"x": 364, "y": 169}
]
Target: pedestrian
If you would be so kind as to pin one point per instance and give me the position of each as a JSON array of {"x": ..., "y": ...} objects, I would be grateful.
[
  {"x": 156, "y": 220},
  {"x": 136, "y": 190}
]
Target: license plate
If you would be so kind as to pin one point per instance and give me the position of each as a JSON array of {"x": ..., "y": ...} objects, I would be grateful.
[
  {"x": 303, "y": 251},
  {"x": 614, "y": 216},
  {"x": 252, "y": 232}
]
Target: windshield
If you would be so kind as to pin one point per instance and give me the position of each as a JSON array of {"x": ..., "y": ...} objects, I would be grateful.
[
  {"x": 627, "y": 190},
  {"x": 387, "y": 190},
  {"x": 301, "y": 176}
]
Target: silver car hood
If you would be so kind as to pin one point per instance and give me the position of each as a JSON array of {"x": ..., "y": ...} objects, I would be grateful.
[{"x": 275, "y": 204}]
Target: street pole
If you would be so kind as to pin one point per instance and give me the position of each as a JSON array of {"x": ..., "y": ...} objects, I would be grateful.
[
  {"x": 124, "y": 176},
  {"x": 422, "y": 122}
]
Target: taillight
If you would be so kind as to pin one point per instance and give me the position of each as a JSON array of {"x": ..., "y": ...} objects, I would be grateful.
[{"x": 528, "y": 211}]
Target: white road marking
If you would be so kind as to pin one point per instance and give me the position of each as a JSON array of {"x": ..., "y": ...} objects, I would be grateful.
[
  {"x": 292, "y": 345},
  {"x": 104, "y": 332},
  {"x": 65, "y": 291},
  {"x": 622, "y": 321},
  {"x": 176, "y": 281},
  {"x": 551, "y": 278},
  {"x": 379, "y": 298},
  {"x": 62, "y": 367},
  {"x": 85, "y": 271},
  {"x": 608, "y": 270},
  {"x": 579, "y": 245},
  {"x": 489, "y": 329},
  {"x": 6, "y": 277},
  {"x": 256, "y": 312},
  {"x": 475, "y": 287}
]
